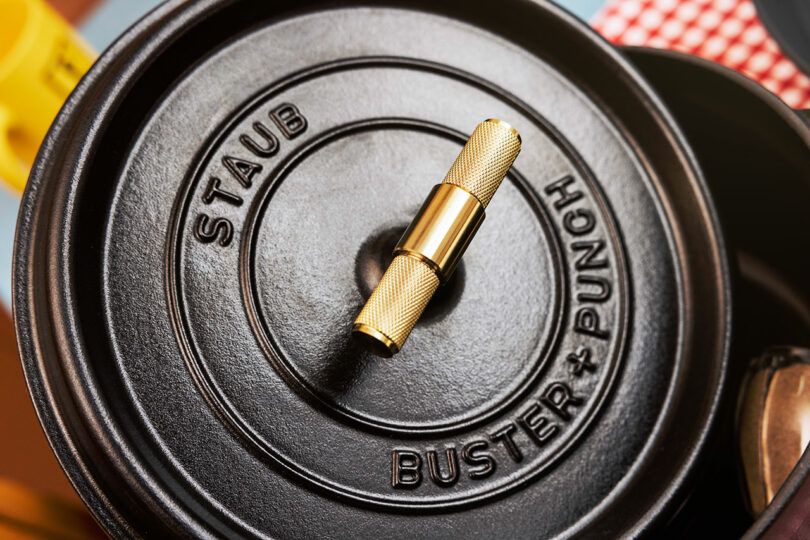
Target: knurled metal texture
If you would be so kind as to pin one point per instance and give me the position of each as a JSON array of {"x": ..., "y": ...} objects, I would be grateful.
[
  {"x": 399, "y": 299},
  {"x": 485, "y": 159}
]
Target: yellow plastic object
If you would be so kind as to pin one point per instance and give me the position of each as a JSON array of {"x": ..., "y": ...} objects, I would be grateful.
[{"x": 42, "y": 59}]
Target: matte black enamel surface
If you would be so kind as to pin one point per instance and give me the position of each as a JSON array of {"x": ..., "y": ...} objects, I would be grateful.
[{"x": 216, "y": 202}]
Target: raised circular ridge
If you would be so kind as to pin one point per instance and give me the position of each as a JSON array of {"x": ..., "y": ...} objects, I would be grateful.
[
  {"x": 210, "y": 387},
  {"x": 272, "y": 350}
]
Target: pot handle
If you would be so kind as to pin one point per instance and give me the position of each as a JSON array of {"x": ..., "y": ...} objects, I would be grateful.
[{"x": 12, "y": 168}]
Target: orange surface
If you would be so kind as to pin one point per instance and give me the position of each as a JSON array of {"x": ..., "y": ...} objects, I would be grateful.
[
  {"x": 25, "y": 456},
  {"x": 36, "y": 499},
  {"x": 27, "y": 514}
]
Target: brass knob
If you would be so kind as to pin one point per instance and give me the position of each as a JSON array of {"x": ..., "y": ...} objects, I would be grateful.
[{"x": 430, "y": 249}]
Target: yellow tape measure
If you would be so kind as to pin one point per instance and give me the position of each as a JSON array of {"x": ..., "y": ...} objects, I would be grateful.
[{"x": 42, "y": 59}]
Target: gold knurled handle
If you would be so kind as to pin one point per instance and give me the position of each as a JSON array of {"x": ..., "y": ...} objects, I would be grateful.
[
  {"x": 397, "y": 303},
  {"x": 485, "y": 159},
  {"x": 431, "y": 247}
]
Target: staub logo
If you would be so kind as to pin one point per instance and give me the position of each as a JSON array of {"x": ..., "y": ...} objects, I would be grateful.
[{"x": 242, "y": 169}]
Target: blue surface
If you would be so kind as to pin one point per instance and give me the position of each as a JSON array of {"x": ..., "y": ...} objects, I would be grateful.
[
  {"x": 584, "y": 9},
  {"x": 112, "y": 18},
  {"x": 8, "y": 220},
  {"x": 100, "y": 29}
]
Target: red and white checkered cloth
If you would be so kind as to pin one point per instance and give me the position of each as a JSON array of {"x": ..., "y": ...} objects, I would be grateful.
[{"x": 726, "y": 31}]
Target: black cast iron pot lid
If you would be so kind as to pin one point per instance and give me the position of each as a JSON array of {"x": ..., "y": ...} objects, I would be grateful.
[{"x": 215, "y": 203}]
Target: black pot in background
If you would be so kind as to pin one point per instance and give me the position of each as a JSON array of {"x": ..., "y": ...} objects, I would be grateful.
[{"x": 755, "y": 154}]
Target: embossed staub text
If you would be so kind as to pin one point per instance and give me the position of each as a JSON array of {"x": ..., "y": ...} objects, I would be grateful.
[{"x": 241, "y": 170}]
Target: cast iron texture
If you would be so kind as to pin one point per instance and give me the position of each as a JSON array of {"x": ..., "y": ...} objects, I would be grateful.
[
  {"x": 215, "y": 203},
  {"x": 755, "y": 153}
]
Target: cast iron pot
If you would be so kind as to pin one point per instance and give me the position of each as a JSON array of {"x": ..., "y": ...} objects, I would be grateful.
[
  {"x": 219, "y": 196},
  {"x": 755, "y": 153}
]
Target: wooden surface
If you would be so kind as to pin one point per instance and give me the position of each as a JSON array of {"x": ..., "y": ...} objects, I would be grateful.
[
  {"x": 36, "y": 498},
  {"x": 25, "y": 455},
  {"x": 25, "y": 513}
]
